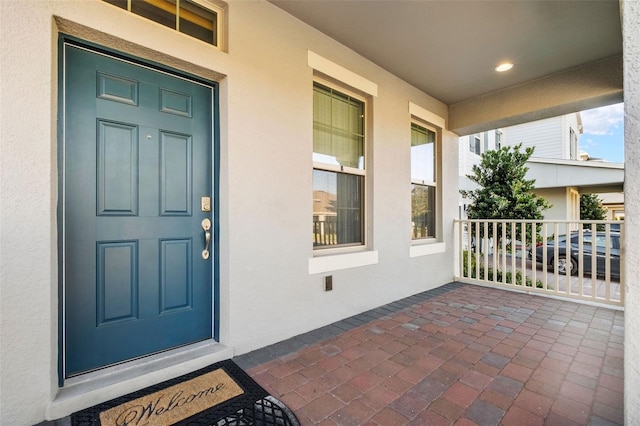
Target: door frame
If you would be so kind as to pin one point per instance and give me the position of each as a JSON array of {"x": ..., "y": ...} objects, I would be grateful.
[{"x": 65, "y": 39}]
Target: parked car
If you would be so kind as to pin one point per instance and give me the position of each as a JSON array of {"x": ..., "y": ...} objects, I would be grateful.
[{"x": 568, "y": 259}]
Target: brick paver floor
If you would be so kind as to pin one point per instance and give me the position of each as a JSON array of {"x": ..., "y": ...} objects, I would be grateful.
[{"x": 457, "y": 355}]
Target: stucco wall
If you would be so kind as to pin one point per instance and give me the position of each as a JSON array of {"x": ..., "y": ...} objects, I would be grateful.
[
  {"x": 28, "y": 295},
  {"x": 559, "y": 198},
  {"x": 631, "y": 247},
  {"x": 268, "y": 258},
  {"x": 267, "y": 293}
]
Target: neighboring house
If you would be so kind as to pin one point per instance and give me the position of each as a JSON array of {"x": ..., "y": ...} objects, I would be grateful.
[
  {"x": 557, "y": 164},
  {"x": 471, "y": 148},
  {"x": 553, "y": 138},
  {"x": 158, "y": 177},
  {"x": 614, "y": 203}
]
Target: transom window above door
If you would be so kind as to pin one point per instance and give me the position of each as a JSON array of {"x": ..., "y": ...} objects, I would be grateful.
[{"x": 197, "y": 18}]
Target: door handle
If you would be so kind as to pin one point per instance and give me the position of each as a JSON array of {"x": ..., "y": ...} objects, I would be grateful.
[{"x": 206, "y": 227}]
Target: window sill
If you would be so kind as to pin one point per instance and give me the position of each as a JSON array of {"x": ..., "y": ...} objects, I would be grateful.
[
  {"x": 427, "y": 249},
  {"x": 321, "y": 264}
]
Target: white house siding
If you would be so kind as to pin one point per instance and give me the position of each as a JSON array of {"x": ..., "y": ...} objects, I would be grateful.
[
  {"x": 543, "y": 135},
  {"x": 467, "y": 158},
  {"x": 266, "y": 291},
  {"x": 465, "y": 165}
]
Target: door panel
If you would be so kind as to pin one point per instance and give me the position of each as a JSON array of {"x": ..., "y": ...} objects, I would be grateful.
[
  {"x": 117, "y": 159},
  {"x": 137, "y": 158}
]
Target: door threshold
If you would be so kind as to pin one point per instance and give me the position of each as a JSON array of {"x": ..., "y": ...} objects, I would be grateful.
[{"x": 92, "y": 388}]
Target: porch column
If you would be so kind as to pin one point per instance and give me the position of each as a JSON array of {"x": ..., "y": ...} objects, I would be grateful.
[{"x": 630, "y": 10}]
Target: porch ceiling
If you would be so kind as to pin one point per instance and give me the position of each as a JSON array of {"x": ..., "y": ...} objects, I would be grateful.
[{"x": 449, "y": 49}]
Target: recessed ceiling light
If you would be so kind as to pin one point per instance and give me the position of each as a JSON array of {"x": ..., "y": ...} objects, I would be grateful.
[{"x": 504, "y": 67}]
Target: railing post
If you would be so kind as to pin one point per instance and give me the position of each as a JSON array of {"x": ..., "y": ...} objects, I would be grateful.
[
  {"x": 457, "y": 249},
  {"x": 482, "y": 266}
]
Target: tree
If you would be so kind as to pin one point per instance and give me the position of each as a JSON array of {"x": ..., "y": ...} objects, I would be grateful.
[
  {"x": 591, "y": 207},
  {"x": 504, "y": 192}
]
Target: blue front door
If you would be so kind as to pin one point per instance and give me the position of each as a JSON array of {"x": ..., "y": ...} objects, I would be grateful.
[{"x": 137, "y": 163}]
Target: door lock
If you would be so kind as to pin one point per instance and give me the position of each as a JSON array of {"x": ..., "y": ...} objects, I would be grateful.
[{"x": 205, "y": 204}]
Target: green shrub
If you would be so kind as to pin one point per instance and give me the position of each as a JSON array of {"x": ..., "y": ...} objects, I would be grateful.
[
  {"x": 497, "y": 274},
  {"x": 465, "y": 266}
]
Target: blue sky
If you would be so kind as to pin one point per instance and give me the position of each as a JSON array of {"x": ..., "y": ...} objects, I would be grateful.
[{"x": 603, "y": 133}]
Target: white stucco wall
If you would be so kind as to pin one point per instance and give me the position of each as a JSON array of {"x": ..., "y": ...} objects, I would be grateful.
[
  {"x": 267, "y": 293},
  {"x": 268, "y": 259},
  {"x": 631, "y": 247},
  {"x": 28, "y": 289}
]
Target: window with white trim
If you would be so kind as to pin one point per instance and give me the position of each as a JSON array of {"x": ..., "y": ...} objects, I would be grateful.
[
  {"x": 423, "y": 182},
  {"x": 474, "y": 144},
  {"x": 197, "y": 18},
  {"x": 573, "y": 144},
  {"x": 338, "y": 168}
]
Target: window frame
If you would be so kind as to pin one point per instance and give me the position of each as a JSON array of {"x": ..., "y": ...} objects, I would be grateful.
[
  {"x": 351, "y": 93},
  {"x": 217, "y": 7},
  {"x": 498, "y": 143},
  {"x": 573, "y": 144},
  {"x": 434, "y": 184},
  {"x": 475, "y": 144}
]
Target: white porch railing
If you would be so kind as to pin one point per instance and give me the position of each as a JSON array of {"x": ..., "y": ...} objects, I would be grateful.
[{"x": 569, "y": 259}]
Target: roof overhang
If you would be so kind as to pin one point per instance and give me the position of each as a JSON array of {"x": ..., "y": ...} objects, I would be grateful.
[
  {"x": 587, "y": 176},
  {"x": 567, "y": 55}
]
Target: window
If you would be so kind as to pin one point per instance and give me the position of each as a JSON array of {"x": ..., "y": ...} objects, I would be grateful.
[
  {"x": 186, "y": 16},
  {"x": 338, "y": 168},
  {"x": 573, "y": 144},
  {"x": 474, "y": 144},
  {"x": 423, "y": 182}
]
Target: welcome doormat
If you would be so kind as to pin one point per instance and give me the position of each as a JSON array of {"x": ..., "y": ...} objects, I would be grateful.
[{"x": 221, "y": 394}]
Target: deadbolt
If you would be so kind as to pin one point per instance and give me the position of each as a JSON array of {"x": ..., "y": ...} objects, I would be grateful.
[{"x": 205, "y": 204}]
